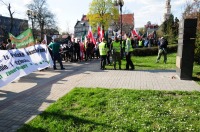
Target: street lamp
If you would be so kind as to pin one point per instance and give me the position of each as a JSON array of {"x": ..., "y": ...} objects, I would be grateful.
[
  {"x": 32, "y": 16},
  {"x": 121, "y": 3}
]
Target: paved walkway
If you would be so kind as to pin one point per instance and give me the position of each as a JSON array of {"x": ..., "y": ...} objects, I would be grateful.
[{"x": 28, "y": 96}]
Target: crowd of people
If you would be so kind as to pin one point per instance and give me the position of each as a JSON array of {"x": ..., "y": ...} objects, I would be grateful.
[
  {"x": 74, "y": 50},
  {"x": 7, "y": 45}
]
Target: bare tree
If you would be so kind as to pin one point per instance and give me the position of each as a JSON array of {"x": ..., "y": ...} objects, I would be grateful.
[
  {"x": 45, "y": 19},
  {"x": 192, "y": 9},
  {"x": 22, "y": 26},
  {"x": 11, "y": 15}
]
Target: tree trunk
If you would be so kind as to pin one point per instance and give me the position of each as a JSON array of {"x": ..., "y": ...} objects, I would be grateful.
[{"x": 11, "y": 18}]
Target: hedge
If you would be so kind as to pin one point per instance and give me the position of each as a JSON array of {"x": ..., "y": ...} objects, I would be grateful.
[{"x": 148, "y": 51}]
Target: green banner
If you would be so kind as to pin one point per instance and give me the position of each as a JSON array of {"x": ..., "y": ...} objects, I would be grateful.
[{"x": 25, "y": 39}]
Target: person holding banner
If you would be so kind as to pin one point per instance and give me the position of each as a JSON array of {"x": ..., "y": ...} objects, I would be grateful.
[
  {"x": 55, "y": 47},
  {"x": 9, "y": 44},
  {"x": 3, "y": 46}
]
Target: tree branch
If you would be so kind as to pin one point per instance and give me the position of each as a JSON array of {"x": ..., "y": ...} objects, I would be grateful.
[{"x": 3, "y": 2}]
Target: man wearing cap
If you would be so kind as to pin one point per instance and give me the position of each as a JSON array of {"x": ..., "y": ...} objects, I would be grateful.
[
  {"x": 162, "y": 49},
  {"x": 116, "y": 52}
]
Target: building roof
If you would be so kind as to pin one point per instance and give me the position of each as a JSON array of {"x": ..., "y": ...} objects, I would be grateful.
[
  {"x": 84, "y": 18},
  {"x": 128, "y": 19}
]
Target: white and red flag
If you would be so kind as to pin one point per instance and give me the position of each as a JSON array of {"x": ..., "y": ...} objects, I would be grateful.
[
  {"x": 134, "y": 33},
  {"x": 100, "y": 32},
  {"x": 90, "y": 35}
]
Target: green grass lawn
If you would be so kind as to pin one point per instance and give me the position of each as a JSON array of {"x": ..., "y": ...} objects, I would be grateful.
[
  {"x": 149, "y": 63},
  {"x": 120, "y": 110}
]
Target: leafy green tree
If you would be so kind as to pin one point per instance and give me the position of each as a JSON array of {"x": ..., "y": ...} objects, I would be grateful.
[
  {"x": 170, "y": 29},
  {"x": 102, "y": 12}
]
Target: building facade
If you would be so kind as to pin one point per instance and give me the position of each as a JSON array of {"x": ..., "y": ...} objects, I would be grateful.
[
  {"x": 19, "y": 25},
  {"x": 81, "y": 27},
  {"x": 150, "y": 28}
]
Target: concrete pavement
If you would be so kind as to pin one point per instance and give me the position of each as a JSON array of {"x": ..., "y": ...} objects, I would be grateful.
[{"x": 28, "y": 96}]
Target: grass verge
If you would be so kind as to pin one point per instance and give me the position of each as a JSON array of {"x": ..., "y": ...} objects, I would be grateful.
[
  {"x": 149, "y": 63},
  {"x": 121, "y": 110}
]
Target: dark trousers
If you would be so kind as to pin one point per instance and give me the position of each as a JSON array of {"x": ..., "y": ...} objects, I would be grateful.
[
  {"x": 103, "y": 61},
  {"x": 88, "y": 54},
  {"x": 77, "y": 55},
  {"x": 56, "y": 56},
  {"x": 129, "y": 62},
  {"x": 108, "y": 57},
  {"x": 117, "y": 57},
  {"x": 160, "y": 53}
]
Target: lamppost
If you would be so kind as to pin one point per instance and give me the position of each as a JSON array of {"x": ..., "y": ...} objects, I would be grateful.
[
  {"x": 32, "y": 16},
  {"x": 121, "y": 3},
  {"x": 83, "y": 30}
]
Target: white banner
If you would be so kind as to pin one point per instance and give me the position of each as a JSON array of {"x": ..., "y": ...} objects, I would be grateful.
[{"x": 21, "y": 62}]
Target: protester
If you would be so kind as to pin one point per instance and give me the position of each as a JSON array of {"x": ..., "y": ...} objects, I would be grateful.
[
  {"x": 77, "y": 50},
  {"x": 55, "y": 47},
  {"x": 82, "y": 50},
  {"x": 66, "y": 55},
  {"x": 162, "y": 49},
  {"x": 116, "y": 52},
  {"x": 108, "y": 51},
  {"x": 71, "y": 49},
  {"x": 146, "y": 42},
  {"x": 103, "y": 48},
  {"x": 97, "y": 48},
  {"x": 128, "y": 50},
  {"x": 9, "y": 44},
  {"x": 3, "y": 45},
  {"x": 14, "y": 46},
  {"x": 140, "y": 43},
  {"x": 89, "y": 46}
]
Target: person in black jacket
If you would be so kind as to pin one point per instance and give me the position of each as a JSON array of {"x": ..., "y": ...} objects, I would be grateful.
[
  {"x": 162, "y": 49},
  {"x": 77, "y": 51}
]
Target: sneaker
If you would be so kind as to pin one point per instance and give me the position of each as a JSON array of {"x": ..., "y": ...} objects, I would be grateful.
[
  {"x": 55, "y": 68},
  {"x": 63, "y": 68}
]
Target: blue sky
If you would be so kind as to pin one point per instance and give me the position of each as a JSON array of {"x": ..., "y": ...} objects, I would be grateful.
[{"x": 69, "y": 11}]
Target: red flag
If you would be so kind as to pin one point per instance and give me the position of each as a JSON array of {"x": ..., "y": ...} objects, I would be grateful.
[
  {"x": 134, "y": 32},
  {"x": 90, "y": 35}
]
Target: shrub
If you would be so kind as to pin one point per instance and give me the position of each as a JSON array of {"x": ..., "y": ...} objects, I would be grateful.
[
  {"x": 197, "y": 49},
  {"x": 153, "y": 50}
]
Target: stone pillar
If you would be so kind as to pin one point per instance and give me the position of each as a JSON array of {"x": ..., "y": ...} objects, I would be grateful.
[{"x": 186, "y": 46}]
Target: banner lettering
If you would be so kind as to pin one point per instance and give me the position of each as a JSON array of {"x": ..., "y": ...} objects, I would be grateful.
[{"x": 21, "y": 62}]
